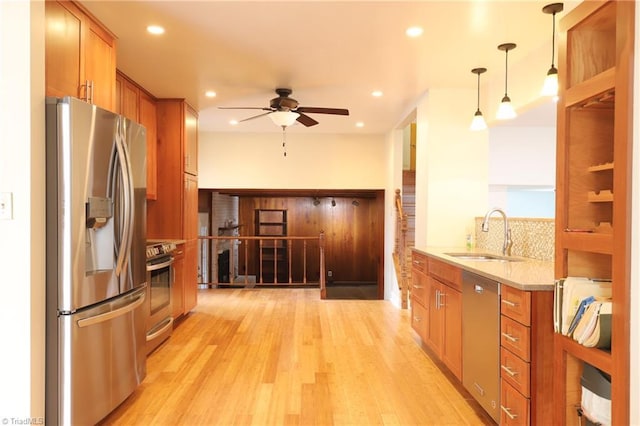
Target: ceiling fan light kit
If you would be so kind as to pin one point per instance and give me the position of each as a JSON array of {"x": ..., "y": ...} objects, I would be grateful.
[{"x": 284, "y": 118}]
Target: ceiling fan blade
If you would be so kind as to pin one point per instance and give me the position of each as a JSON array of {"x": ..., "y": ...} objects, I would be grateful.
[
  {"x": 256, "y": 116},
  {"x": 262, "y": 108},
  {"x": 306, "y": 120},
  {"x": 319, "y": 110}
]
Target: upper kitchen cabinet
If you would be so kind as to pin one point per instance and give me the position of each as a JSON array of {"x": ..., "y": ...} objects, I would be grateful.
[
  {"x": 593, "y": 197},
  {"x": 190, "y": 141},
  {"x": 135, "y": 103},
  {"x": 80, "y": 55}
]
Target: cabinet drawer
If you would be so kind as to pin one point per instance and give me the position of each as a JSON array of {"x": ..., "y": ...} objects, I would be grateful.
[
  {"x": 516, "y": 304},
  {"x": 514, "y": 408},
  {"x": 515, "y": 371},
  {"x": 419, "y": 317},
  {"x": 419, "y": 287},
  {"x": 515, "y": 337},
  {"x": 449, "y": 274},
  {"x": 419, "y": 262}
]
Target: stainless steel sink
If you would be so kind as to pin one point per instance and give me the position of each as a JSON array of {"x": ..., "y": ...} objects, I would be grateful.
[{"x": 483, "y": 257}]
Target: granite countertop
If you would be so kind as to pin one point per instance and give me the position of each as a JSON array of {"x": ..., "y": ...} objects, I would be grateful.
[{"x": 525, "y": 274}]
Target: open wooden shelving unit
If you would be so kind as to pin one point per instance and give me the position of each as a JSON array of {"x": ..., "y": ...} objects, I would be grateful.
[{"x": 593, "y": 217}]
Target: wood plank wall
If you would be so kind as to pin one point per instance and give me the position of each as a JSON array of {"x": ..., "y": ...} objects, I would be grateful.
[{"x": 352, "y": 240}]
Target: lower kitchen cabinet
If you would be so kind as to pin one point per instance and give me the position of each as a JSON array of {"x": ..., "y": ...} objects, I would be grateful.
[
  {"x": 177, "y": 290},
  {"x": 444, "y": 331},
  {"x": 190, "y": 283},
  {"x": 437, "y": 309},
  {"x": 526, "y": 340}
]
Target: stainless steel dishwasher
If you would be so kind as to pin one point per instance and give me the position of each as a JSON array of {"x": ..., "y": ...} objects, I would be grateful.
[{"x": 481, "y": 341}]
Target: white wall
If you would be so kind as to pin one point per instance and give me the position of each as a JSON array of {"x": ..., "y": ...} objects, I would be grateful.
[
  {"x": 395, "y": 143},
  {"x": 451, "y": 169},
  {"x": 22, "y": 238},
  {"x": 313, "y": 161}
]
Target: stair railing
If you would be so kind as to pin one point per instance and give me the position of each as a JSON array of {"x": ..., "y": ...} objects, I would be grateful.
[{"x": 400, "y": 251}]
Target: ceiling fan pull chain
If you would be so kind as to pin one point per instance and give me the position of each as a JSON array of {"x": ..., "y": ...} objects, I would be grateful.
[{"x": 284, "y": 140}]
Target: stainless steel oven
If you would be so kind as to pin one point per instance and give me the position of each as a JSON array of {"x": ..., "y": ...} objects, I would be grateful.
[{"x": 160, "y": 276}]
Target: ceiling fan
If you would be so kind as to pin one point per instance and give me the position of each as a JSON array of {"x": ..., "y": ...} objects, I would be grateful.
[{"x": 284, "y": 111}]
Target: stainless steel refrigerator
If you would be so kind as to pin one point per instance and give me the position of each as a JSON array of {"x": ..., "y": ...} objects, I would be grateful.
[{"x": 96, "y": 261}]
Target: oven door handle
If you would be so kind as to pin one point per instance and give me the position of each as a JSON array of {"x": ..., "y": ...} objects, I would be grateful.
[{"x": 159, "y": 265}]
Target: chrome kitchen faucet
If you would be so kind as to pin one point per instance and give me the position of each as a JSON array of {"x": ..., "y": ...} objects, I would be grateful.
[{"x": 506, "y": 246}]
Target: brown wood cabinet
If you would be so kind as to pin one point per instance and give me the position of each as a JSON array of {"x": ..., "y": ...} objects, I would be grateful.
[
  {"x": 593, "y": 195},
  {"x": 80, "y": 55},
  {"x": 526, "y": 357},
  {"x": 177, "y": 287},
  {"x": 436, "y": 299},
  {"x": 174, "y": 212},
  {"x": 133, "y": 102},
  {"x": 444, "y": 331}
]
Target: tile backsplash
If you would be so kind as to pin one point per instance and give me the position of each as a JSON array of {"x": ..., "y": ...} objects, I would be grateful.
[{"x": 532, "y": 237}]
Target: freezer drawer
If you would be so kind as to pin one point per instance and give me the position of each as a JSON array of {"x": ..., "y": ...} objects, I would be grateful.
[{"x": 101, "y": 358}]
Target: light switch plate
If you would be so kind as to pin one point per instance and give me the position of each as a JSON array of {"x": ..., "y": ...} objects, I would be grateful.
[{"x": 6, "y": 205}]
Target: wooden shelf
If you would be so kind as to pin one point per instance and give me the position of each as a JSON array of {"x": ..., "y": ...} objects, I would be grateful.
[
  {"x": 593, "y": 242},
  {"x": 601, "y": 167},
  {"x": 597, "y": 357},
  {"x": 595, "y": 92},
  {"x": 604, "y": 196}
]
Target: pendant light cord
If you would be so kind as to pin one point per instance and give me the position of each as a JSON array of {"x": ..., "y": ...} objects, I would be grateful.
[
  {"x": 506, "y": 70},
  {"x": 553, "y": 40},
  {"x": 478, "y": 110}
]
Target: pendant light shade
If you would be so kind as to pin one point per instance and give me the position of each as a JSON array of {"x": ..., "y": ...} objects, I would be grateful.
[
  {"x": 478, "y": 122},
  {"x": 284, "y": 118},
  {"x": 550, "y": 87},
  {"x": 506, "y": 110}
]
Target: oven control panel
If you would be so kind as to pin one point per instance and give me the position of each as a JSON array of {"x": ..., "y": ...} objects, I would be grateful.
[{"x": 160, "y": 249}]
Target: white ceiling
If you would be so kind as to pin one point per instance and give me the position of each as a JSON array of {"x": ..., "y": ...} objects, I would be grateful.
[{"x": 331, "y": 53}]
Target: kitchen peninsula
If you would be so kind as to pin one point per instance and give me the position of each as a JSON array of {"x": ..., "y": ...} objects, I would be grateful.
[{"x": 520, "y": 328}]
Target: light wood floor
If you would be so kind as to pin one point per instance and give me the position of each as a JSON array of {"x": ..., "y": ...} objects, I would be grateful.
[{"x": 283, "y": 356}]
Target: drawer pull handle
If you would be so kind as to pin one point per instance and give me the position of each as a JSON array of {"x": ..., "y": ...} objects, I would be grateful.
[
  {"x": 510, "y": 337},
  {"x": 417, "y": 319},
  {"x": 417, "y": 286},
  {"x": 509, "y": 413},
  {"x": 509, "y": 371},
  {"x": 417, "y": 262},
  {"x": 509, "y": 303}
]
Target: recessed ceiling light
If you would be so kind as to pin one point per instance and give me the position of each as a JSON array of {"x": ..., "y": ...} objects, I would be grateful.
[
  {"x": 155, "y": 29},
  {"x": 210, "y": 94},
  {"x": 233, "y": 122},
  {"x": 376, "y": 93},
  {"x": 414, "y": 31},
  {"x": 359, "y": 124}
]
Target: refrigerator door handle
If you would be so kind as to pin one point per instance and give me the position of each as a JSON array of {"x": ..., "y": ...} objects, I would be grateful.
[
  {"x": 125, "y": 238},
  {"x": 97, "y": 319},
  {"x": 130, "y": 203}
]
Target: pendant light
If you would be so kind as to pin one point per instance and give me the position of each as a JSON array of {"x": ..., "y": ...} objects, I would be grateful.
[
  {"x": 505, "y": 110},
  {"x": 550, "y": 87},
  {"x": 478, "y": 122}
]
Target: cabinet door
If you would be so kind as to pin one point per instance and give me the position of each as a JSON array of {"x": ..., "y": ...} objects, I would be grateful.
[
  {"x": 147, "y": 116},
  {"x": 434, "y": 326},
  {"x": 130, "y": 100},
  {"x": 100, "y": 65},
  {"x": 191, "y": 141},
  {"x": 190, "y": 283},
  {"x": 190, "y": 207},
  {"x": 177, "y": 290},
  {"x": 452, "y": 336},
  {"x": 63, "y": 30}
]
